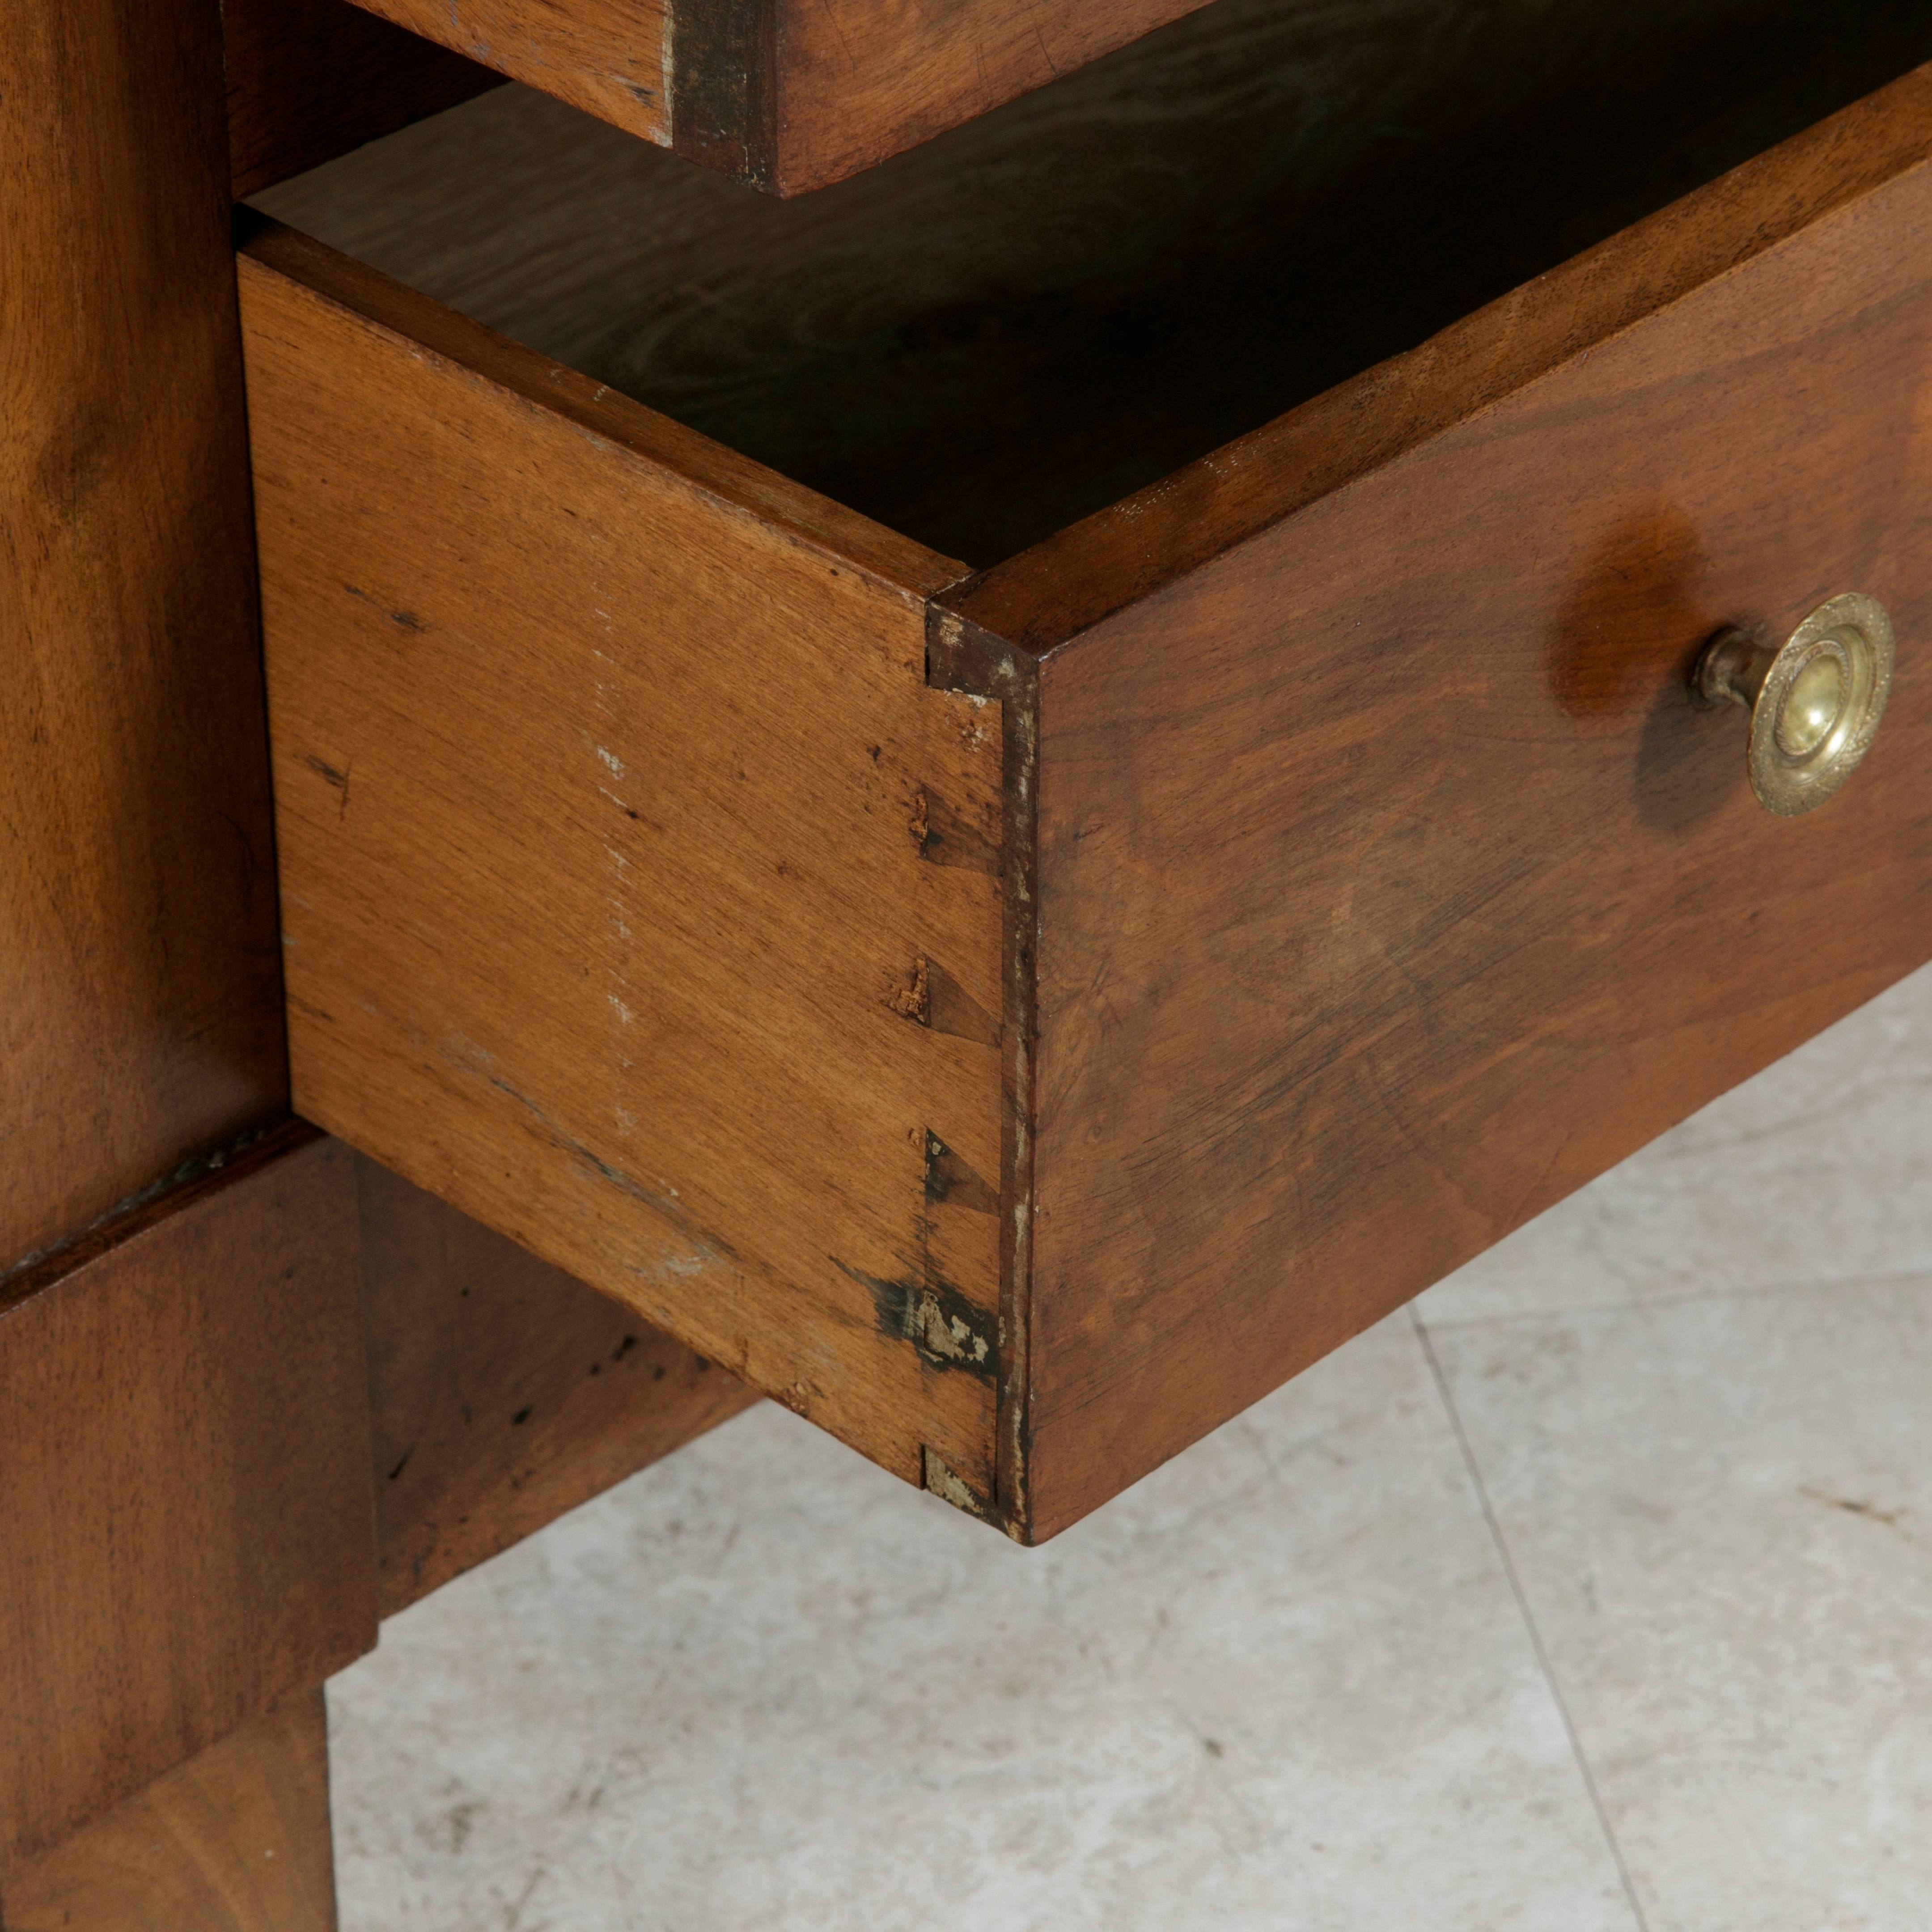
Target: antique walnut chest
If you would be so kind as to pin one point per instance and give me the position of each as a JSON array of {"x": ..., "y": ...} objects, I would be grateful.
[{"x": 990, "y": 718}]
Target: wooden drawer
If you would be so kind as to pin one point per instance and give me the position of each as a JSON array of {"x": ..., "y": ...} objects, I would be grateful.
[
  {"x": 1019, "y": 1014},
  {"x": 786, "y": 94}
]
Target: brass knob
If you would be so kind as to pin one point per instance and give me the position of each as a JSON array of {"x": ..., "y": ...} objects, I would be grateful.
[{"x": 1814, "y": 703}]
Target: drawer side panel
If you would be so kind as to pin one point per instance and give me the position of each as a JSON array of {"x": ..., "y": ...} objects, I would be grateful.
[{"x": 608, "y": 915}]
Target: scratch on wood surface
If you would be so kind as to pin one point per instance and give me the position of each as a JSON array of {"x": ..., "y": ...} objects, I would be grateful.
[
  {"x": 704, "y": 1248},
  {"x": 330, "y": 775},
  {"x": 404, "y": 620},
  {"x": 617, "y": 994}
]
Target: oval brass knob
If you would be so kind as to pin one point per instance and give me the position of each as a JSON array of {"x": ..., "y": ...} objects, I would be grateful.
[{"x": 1814, "y": 702}]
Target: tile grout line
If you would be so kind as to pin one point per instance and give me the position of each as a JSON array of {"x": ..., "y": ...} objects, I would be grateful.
[
  {"x": 1690, "y": 1297},
  {"x": 1496, "y": 1528}
]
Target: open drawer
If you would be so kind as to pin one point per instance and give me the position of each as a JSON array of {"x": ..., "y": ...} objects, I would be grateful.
[{"x": 1010, "y": 920}]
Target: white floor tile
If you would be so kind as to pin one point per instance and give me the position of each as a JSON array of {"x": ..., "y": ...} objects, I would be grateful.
[
  {"x": 1721, "y": 1513},
  {"x": 1281, "y": 1685},
  {"x": 1820, "y": 1169}
]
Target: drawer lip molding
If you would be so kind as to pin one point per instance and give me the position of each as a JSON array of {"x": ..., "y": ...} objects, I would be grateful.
[{"x": 1367, "y": 880}]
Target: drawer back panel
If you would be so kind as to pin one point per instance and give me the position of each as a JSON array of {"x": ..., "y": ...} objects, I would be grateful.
[{"x": 606, "y": 777}]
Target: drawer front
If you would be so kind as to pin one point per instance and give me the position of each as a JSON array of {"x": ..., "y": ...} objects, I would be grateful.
[
  {"x": 785, "y": 95},
  {"x": 1390, "y": 886},
  {"x": 638, "y": 895}
]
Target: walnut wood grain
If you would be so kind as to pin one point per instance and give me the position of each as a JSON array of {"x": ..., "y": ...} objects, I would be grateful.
[
  {"x": 1389, "y": 886},
  {"x": 185, "y": 1488},
  {"x": 310, "y": 79},
  {"x": 140, "y": 998},
  {"x": 857, "y": 81},
  {"x": 610, "y": 58},
  {"x": 788, "y": 95},
  {"x": 1293, "y": 1056},
  {"x": 598, "y": 755},
  {"x": 1039, "y": 313},
  {"x": 502, "y": 1393},
  {"x": 236, "y": 1839}
]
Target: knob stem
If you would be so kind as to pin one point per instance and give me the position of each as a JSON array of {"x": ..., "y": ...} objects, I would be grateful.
[{"x": 1733, "y": 669}]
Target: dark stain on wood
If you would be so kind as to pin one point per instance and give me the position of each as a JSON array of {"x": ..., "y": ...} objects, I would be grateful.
[
  {"x": 949, "y": 1331},
  {"x": 724, "y": 110}
]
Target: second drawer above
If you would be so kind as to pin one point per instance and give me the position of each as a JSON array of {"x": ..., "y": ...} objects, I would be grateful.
[{"x": 1016, "y": 797}]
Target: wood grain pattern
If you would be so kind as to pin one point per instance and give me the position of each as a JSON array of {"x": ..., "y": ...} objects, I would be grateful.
[
  {"x": 1045, "y": 311},
  {"x": 236, "y": 1839},
  {"x": 310, "y": 79},
  {"x": 598, "y": 755},
  {"x": 502, "y": 1393},
  {"x": 1378, "y": 908},
  {"x": 185, "y": 1488},
  {"x": 785, "y": 95},
  {"x": 610, "y": 58},
  {"x": 858, "y": 81},
  {"x": 1240, "y": 1042},
  {"x": 140, "y": 999}
]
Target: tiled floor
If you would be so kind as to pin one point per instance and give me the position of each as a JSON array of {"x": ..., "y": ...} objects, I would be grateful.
[{"x": 1593, "y": 1593}]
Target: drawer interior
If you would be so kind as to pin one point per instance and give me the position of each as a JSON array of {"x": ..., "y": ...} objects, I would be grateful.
[{"x": 991, "y": 336}]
